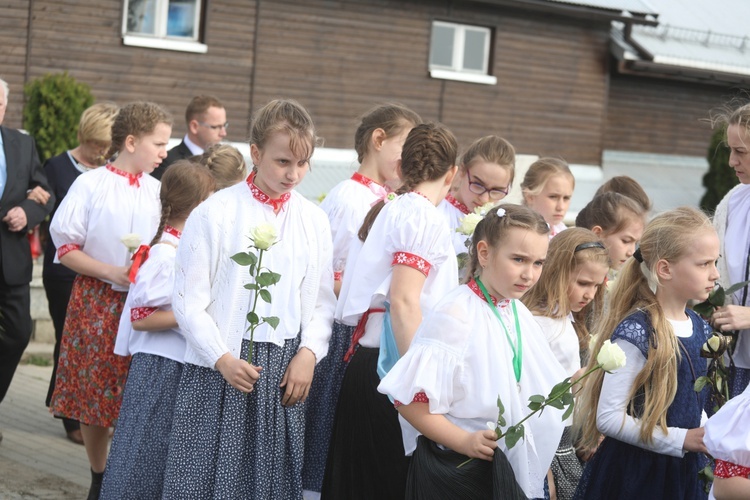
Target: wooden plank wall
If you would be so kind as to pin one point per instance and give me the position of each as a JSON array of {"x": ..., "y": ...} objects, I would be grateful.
[
  {"x": 14, "y": 23},
  {"x": 661, "y": 116},
  {"x": 84, "y": 38},
  {"x": 551, "y": 92},
  {"x": 341, "y": 57}
]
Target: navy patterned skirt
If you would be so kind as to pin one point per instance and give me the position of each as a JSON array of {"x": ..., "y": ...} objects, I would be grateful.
[
  {"x": 621, "y": 471},
  {"x": 321, "y": 406},
  {"x": 135, "y": 467},
  {"x": 740, "y": 379},
  {"x": 226, "y": 444}
]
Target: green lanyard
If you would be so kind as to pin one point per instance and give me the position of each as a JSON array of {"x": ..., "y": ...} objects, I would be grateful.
[{"x": 517, "y": 351}]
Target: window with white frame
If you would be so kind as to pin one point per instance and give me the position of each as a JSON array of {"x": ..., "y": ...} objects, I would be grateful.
[
  {"x": 460, "y": 52},
  {"x": 163, "y": 24}
]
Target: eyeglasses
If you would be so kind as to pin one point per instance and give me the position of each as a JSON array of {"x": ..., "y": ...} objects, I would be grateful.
[
  {"x": 479, "y": 188},
  {"x": 214, "y": 127}
]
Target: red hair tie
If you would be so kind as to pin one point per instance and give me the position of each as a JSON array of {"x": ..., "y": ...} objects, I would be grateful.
[{"x": 139, "y": 257}]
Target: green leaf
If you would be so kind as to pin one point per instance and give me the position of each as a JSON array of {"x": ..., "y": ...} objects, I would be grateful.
[
  {"x": 705, "y": 309},
  {"x": 264, "y": 279},
  {"x": 534, "y": 406},
  {"x": 556, "y": 403},
  {"x": 500, "y": 407},
  {"x": 275, "y": 278},
  {"x": 537, "y": 398},
  {"x": 251, "y": 286},
  {"x": 569, "y": 411},
  {"x": 253, "y": 318},
  {"x": 567, "y": 398},
  {"x": 717, "y": 297},
  {"x": 272, "y": 321},
  {"x": 700, "y": 383},
  {"x": 265, "y": 295},
  {"x": 513, "y": 434},
  {"x": 559, "y": 389},
  {"x": 501, "y": 422},
  {"x": 735, "y": 287},
  {"x": 244, "y": 258}
]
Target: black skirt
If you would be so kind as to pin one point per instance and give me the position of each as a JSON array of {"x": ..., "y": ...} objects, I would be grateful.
[
  {"x": 366, "y": 458},
  {"x": 435, "y": 473}
]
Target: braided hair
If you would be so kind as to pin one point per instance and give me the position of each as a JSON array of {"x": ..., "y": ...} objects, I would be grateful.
[{"x": 430, "y": 151}]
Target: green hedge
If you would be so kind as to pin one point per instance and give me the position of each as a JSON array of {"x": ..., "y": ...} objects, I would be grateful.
[
  {"x": 54, "y": 104},
  {"x": 720, "y": 177}
]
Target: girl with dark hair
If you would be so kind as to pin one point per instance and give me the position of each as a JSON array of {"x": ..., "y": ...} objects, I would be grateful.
[{"x": 403, "y": 261}]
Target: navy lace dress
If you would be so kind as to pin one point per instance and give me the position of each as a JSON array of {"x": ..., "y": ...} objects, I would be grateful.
[{"x": 622, "y": 471}]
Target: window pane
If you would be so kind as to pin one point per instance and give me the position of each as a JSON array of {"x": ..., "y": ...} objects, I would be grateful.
[
  {"x": 474, "y": 56},
  {"x": 141, "y": 16},
  {"x": 441, "y": 47},
  {"x": 181, "y": 20}
]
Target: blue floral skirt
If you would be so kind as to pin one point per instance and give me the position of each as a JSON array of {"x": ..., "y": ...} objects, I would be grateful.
[
  {"x": 135, "y": 467},
  {"x": 321, "y": 406},
  {"x": 226, "y": 444}
]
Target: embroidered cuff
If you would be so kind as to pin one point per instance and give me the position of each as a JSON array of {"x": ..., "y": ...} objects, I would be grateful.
[
  {"x": 419, "y": 397},
  {"x": 411, "y": 260},
  {"x": 67, "y": 248},
  {"x": 728, "y": 469},
  {"x": 138, "y": 313}
]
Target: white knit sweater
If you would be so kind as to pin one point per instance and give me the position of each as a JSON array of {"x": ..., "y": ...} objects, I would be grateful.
[{"x": 209, "y": 301}]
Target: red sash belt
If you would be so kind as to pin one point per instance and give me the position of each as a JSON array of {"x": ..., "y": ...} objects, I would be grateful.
[{"x": 359, "y": 332}]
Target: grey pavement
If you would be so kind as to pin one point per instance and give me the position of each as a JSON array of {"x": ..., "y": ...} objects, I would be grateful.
[{"x": 36, "y": 459}]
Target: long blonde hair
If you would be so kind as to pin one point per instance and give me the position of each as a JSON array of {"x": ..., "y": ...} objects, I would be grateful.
[
  {"x": 568, "y": 251},
  {"x": 668, "y": 236}
]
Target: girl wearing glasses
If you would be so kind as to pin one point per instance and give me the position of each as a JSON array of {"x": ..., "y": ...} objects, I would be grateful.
[
  {"x": 485, "y": 175},
  {"x": 547, "y": 188}
]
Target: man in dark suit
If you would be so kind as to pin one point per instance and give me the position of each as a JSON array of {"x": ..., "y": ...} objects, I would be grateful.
[
  {"x": 206, "y": 121},
  {"x": 22, "y": 182}
]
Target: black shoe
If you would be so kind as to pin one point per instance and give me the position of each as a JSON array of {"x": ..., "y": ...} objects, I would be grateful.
[{"x": 96, "y": 485}]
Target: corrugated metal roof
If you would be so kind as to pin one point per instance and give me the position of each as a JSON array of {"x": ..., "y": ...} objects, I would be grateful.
[
  {"x": 641, "y": 7},
  {"x": 697, "y": 34}
]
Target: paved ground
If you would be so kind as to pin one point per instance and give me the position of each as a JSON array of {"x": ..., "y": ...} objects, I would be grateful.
[{"x": 36, "y": 459}]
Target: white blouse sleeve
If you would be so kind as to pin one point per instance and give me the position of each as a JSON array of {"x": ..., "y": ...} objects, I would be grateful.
[
  {"x": 154, "y": 282},
  {"x": 419, "y": 240},
  {"x": 611, "y": 416},
  {"x": 317, "y": 333},
  {"x": 431, "y": 365},
  {"x": 69, "y": 226},
  {"x": 728, "y": 431},
  {"x": 195, "y": 272}
]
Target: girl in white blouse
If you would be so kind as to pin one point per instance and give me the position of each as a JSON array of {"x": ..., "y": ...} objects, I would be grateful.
[
  {"x": 567, "y": 300},
  {"x": 485, "y": 175},
  {"x": 238, "y": 429},
  {"x": 101, "y": 207},
  {"x": 648, "y": 412},
  {"x": 378, "y": 141},
  {"x": 149, "y": 333},
  {"x": 404, "y": 258},
  {"x": 478, "y": 345}
]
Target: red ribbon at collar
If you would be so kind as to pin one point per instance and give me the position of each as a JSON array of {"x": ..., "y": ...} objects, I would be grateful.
[
  {"x": 132, "y": 178},
  {"x": 262, "y": 197},
  {"x": 139, "y": 257}
]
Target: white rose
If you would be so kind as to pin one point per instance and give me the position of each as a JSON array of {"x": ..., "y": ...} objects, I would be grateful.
[
  {"x": 131, "y": 240},
  {"x": 611, "y": 357},
  {"x": 468, "y": 224},
  {"x": 714, "y": 343},
  {"x": 264, "y": 236}
]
